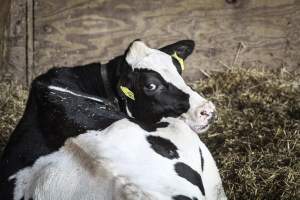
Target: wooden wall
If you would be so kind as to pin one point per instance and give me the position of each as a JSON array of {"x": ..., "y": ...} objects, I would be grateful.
[
  {"x": 4, "y": 10},
  {"x": 71, "y": 32},
  {"x": 13, "y": 58}
]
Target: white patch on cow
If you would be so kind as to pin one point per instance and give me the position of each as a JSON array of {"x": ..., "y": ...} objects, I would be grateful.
[
  {"x": 64, "y": 90},
  {"x": 142, "y": 57},
  {"x": 137, "y": 51},
  {"x": 118, "y": 163}
]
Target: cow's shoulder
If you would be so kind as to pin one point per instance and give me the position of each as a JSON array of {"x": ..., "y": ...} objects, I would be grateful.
[{"x": 84, "y": 78}]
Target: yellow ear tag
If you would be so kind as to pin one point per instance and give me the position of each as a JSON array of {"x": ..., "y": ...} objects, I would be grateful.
[
  {"x": 180, "y": 60},
  {"x": 127, "y": 92}
]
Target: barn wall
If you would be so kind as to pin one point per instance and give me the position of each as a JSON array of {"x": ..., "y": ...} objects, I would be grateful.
[
  {"x": 13, "y": 65},
  {"x": 260, "y": 32},
  {"x": 4, "y": 11}
]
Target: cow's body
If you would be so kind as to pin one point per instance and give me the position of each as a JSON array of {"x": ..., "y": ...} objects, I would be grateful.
[
  {"x": 66, "y": 102},
  {"x": 52, "y": 116},
  {"x": 125, "y": 161}
]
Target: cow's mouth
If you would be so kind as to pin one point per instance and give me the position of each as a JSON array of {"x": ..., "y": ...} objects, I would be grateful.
[{"x": 200, "y": 129}]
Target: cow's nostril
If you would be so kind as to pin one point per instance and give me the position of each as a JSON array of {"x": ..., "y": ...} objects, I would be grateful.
[
  {"x": 207, "y": 115},
  {"x": 204, "y": 113}
]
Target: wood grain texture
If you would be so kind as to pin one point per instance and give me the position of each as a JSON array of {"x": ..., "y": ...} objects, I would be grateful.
[
  {"x": 29, "y": 41},
  {"x": 4, "y": 10},
  {"x": 73, "y": 32},
  {"x": 13, "y": 65}
]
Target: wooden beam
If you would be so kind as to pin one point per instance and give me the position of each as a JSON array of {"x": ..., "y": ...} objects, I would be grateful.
[
  {"x": 29, "y": 40},
  {"x": 13, "y": 65},
  {"x": 4, "y": 21}
]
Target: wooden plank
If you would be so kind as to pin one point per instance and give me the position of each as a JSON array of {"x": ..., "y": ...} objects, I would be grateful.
[
  {"x": 29, "y": 41},
  {"x": 13, "y": 57},
  {"x": 74, "y": 32},
  {"x": 4, "y": 11}
]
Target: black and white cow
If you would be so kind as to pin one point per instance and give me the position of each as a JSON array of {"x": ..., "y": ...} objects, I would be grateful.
[
  {"x": 125, "y": 162},
  {"x": 66, "y": 102}
]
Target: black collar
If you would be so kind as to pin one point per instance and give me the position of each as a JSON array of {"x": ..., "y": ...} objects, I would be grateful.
[{"x": 107, "y": 86}]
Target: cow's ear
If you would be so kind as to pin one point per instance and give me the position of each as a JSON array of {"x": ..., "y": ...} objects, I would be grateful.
[{"x": 182, "y": 48}]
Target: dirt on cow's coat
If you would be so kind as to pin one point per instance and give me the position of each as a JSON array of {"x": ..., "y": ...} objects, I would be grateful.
[{"x": 255, "y": 140}]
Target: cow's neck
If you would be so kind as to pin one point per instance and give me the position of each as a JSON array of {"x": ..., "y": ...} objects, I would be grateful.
[{"x": 113, "y": 69}]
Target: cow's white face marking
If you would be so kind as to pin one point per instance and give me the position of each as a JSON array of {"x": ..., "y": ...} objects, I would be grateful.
[{"x": 141, "y": 56}]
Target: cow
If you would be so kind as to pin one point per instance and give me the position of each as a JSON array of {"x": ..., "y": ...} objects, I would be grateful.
[
  {"x": 125, "y": 162},
  {"x": 144, "y": 84}
]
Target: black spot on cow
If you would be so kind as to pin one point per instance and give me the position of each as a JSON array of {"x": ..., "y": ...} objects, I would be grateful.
[
  {"x": 163, "y": 147},
  {"x": 202, "y": 159},
  {"x": 190, "y": 175},
  {"x": 28, "y": 199},
  {"x": 182, "y": 197},
  {"x": 151, "y": 127}
]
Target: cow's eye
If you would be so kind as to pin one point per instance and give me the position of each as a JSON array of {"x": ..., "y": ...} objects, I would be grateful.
[{"x": 151, "y": 86}]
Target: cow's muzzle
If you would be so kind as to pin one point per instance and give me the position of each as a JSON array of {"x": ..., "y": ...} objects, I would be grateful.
[{"x": 200, "y": 118}]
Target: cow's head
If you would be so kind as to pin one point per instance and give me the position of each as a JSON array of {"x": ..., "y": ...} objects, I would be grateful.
[{"x": 153, "y": 86}]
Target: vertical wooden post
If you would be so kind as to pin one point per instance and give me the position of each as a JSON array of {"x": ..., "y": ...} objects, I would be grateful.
[
  {"x": 29, "y": 41},
  {"x": 13, "y": 58},
  {"x": 4, "y": 17}
]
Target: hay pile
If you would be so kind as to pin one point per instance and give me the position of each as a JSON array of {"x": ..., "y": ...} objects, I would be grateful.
[
  {"x": 12, "y": 103},
  {"x": 255, "y": 139}
]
